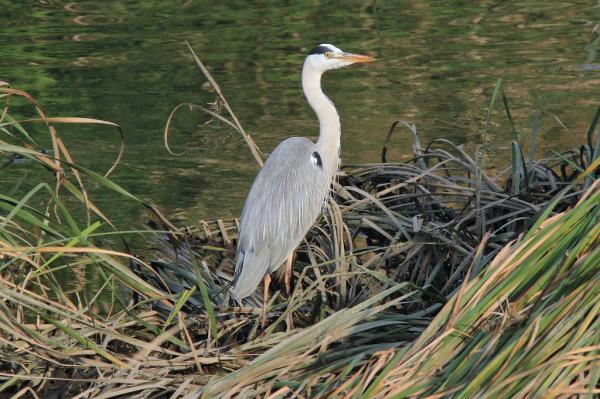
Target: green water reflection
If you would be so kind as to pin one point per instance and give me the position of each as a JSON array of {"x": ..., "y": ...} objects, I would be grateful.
[{"x": 125, "y": 61}]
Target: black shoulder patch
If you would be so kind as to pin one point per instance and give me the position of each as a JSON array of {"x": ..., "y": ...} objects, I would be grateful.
[
  {"x": 319, "y": 50},
  {"x": 317, "y": 159}
]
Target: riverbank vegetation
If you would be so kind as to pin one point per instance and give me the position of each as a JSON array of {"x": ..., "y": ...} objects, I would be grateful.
[{"x": 430, "y": 277}]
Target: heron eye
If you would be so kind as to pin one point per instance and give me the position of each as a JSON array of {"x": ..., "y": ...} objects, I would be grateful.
[{"x": 328, "y": 54}]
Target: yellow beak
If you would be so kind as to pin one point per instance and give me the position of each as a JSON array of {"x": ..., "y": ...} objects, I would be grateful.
[{"x": 355, "y": 57}]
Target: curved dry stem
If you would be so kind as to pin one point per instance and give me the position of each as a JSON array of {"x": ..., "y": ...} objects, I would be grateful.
[{"x": 251, "y": 144}]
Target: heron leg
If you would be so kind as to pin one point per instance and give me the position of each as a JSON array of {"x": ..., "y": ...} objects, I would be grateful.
[
  {"x": 266, "y": 282},
  {"x": 288, "y": 274},
  {"x": 288, "y": 288}
]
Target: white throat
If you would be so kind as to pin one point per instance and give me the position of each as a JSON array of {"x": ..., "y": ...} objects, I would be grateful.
[{"x": 329, "y": 122}]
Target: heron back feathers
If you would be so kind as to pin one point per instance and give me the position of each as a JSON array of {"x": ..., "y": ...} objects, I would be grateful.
[{"x": 284, "y": 202}]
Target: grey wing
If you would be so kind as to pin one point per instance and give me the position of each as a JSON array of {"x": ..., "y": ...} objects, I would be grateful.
[{"x": 284, "y": 201}]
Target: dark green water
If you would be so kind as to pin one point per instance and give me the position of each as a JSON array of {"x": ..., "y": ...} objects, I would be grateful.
[{"x": 126, "y": 61}]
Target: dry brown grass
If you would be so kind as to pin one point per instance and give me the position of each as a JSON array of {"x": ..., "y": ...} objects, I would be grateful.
[{"x": 424, "y": 278}]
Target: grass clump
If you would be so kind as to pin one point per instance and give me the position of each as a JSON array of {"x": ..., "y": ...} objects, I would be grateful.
[{"x": 423, "y": 278}]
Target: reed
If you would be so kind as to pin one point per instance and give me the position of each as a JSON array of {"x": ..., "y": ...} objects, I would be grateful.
[{"x": 423, "y": 278}]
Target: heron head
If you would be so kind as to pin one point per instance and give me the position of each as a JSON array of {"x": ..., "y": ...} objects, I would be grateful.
[{"x": 326, "y": 57}]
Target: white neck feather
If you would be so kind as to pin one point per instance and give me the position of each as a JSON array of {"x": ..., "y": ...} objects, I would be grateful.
[{"x": 329, "y": 121}]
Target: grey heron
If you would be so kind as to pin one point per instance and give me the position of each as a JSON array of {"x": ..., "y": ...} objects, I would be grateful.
[{"x": 290, "y": 189}]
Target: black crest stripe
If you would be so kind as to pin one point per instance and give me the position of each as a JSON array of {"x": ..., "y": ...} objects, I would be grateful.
[{"x": 319, "y": 50}]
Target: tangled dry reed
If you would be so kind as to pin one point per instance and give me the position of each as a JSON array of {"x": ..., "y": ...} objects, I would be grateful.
[{"x": 425, "y": 278}]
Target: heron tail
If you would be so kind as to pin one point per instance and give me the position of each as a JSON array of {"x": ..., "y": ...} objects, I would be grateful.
[{"x": 250, "y": 268}]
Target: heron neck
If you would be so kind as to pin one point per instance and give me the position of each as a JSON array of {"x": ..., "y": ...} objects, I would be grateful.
[{"x": 329, "y": 121}]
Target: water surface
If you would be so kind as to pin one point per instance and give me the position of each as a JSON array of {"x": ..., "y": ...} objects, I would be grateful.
[{"x": 126, "y": 61}]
